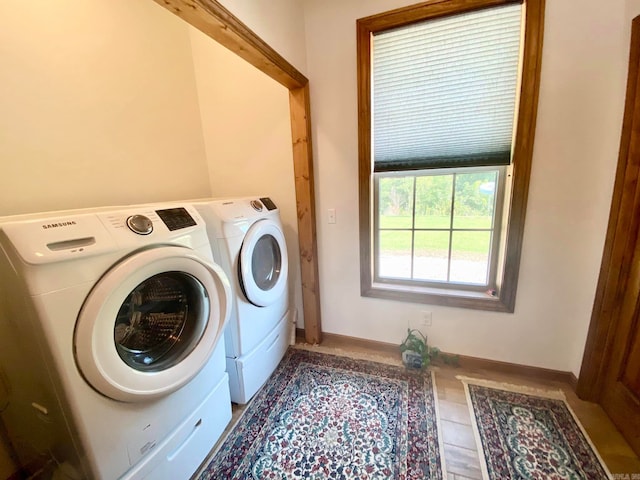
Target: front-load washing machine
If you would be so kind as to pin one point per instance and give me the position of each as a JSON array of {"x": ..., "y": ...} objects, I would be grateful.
[
  {"x": 248, "y": 242},
  {"x": 110, "y": 361}
]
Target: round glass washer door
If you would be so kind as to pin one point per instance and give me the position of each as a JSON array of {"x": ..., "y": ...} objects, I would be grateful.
[
  {"x": 263, "y": 265},
  {"x": 151, "y": 323},
  {"x": 161, "y": 321}
]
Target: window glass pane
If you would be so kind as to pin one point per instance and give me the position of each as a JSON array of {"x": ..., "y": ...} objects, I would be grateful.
[
  {"x": 396, "y": 202},
  {"x": 431, "y": 256},
  {"x": 433, "y": 201},
  {"x": 470, "y": 257},
  {"x": 395, "y": 254},
  {"x": 475, "y": 200}
]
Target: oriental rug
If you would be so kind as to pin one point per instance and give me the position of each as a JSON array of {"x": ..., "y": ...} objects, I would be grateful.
[
  {"x": 524, "y": 433},
  {"x": 322, "y": 416}
]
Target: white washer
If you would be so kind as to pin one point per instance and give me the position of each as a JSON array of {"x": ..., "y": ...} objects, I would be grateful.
[
  {"x": 248, "y": 242},
  {"x": 110, "y": 358}
]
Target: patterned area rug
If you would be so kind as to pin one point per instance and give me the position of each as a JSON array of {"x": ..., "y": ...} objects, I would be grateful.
[
  {"x": 523, "y": 433},
  {"x": 327, "y": 417}
]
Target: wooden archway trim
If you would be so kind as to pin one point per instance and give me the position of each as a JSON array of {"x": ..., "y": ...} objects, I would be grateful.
[{"x": 215, "y": 21}]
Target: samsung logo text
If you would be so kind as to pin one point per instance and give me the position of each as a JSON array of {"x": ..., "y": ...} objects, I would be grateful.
[{"x": 59, "y": 224}]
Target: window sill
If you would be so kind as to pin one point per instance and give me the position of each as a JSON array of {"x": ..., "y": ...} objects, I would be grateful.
[{"x": 437, "y": 296}]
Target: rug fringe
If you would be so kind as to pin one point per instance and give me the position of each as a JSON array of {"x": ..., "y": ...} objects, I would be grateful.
[{"x": 510, "y": 387}]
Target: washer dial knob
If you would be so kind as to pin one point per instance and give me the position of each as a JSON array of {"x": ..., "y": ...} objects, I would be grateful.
[
  {"x": 257, "y": 206},
  {"x": 140, "y": 224}
]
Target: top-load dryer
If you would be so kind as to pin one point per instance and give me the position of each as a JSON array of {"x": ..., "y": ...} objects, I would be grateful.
[
  {"x": 111, "y": 350},
  {"x": 248, "y": 242}
]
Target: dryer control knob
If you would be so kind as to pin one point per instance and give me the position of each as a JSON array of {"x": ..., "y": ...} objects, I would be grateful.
[
  {"x": 140, "y": 224},
  {"x": 257, "y": 206}
]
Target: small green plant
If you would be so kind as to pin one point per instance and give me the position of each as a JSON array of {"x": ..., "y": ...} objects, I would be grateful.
[{"x": 416, "y": 352}]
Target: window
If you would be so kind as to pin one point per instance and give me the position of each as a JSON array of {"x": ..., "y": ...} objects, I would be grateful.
[
  {"x": 447, "y": 102},
  {"x": 437, "y": 227}
]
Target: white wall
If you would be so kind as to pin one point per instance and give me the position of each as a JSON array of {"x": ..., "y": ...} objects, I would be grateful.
[
  {"x": 576, "y": 152},
  {"x": 277, "y": 22},
  {"x": 247, "y": 132},
  {"x": 98, "y": 106},
  {"x": 632, "y": 9},
  {"x": 580, "y": 112}
]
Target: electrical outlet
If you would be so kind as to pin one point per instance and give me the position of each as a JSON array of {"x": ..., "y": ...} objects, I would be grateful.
[{"x": 426, "y": 318}]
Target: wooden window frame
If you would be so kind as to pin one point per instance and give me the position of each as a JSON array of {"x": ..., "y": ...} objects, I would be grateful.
[
  {"x": 215, "y": 21},
  {"x": 505, "y": 299}
]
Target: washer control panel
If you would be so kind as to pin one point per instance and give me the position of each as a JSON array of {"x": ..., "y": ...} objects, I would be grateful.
[
  {"x": 176, "y": 218},
  {"x": 140, "y": 224},
  {"x": 268, "y": 203},
  {"x": 57, "y": 236},
  {"x": 173, "y": 218}
]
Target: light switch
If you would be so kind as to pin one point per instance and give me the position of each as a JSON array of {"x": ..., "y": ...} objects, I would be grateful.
[{"x": 332, "y": 215}]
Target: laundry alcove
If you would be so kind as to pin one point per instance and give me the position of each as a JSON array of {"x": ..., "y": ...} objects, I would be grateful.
[{"x": 211, "y": 18}]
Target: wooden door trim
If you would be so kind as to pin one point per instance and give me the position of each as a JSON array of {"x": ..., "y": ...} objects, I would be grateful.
[
  {"x": 215, "y": 21},
  {"x": 620, "y": 241}
]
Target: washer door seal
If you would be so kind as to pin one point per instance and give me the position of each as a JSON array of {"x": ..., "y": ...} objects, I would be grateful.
[{"x": 151, "y": 323}]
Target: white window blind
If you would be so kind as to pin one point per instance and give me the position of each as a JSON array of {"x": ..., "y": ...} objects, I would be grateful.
[{"x": 444, "y": 91}]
